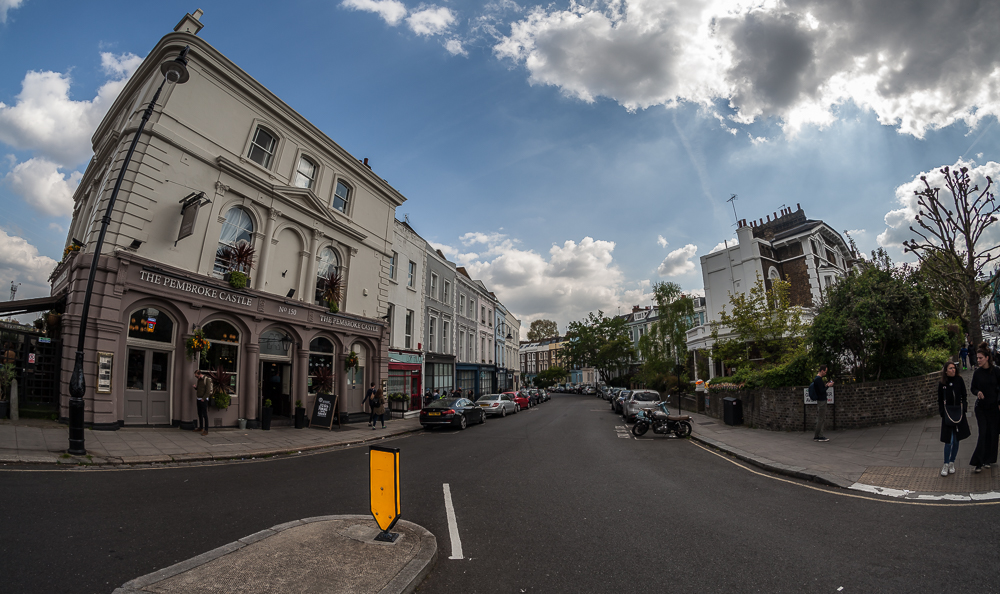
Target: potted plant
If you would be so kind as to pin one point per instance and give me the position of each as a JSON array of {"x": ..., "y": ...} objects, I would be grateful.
[
  {"x": 351, "y": 361},
  {"x": 197, "y": 344},
  {"x": 265, "y": 415},
  {"x": 238, "y": 260},
  {"x": 7, "y": 374},
  {"x": 332, "y": 286},
  {"x": 300, "y": 415},
  {"x": 399, "y": 401},
  {"x": 222, "y": 383}
]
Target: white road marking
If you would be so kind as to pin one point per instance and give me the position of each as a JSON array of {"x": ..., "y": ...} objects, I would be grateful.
[{"x": 456, "y": 541}]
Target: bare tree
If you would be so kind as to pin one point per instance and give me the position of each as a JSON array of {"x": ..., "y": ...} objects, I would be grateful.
[{"x": 949, "y": 235}]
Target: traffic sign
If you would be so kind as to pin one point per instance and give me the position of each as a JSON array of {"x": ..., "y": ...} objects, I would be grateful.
[{"x": 383, "y": 474}]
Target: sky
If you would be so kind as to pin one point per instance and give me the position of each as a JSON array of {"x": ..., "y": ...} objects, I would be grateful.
[{"x": 569, "y": 154}]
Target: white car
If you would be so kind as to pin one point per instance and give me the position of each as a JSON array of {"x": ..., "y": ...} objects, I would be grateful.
[{"x": 497, "y": 404}]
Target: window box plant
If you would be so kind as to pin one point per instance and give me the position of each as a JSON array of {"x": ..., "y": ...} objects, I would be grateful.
[
  {"x": 238, "y": 260},
  {"x": 221, "y": 382},
  {"x": 333, "y": 284},
  {"x": 399, "y": 402},
  {"x": 197, "y": 345}
]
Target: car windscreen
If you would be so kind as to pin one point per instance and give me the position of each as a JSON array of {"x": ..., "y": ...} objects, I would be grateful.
[
  {"x": 443, "y": 403},
  {"x": 488, "y": 397},
  {"x": 647, "y": 396}
]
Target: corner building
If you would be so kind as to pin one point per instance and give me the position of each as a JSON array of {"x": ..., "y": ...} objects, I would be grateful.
[{"x": 223, "y": 162}]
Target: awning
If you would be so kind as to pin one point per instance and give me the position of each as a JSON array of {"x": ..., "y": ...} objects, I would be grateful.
[{"x": 21, "y": 306}]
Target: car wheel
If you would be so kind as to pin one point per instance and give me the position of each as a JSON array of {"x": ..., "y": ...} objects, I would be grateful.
[
  {"x": 463, "y": 422},
  {"x": 482, "y": 418}
]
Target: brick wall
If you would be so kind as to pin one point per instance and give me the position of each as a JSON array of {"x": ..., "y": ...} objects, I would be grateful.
[{"x": 856, "y": 405}]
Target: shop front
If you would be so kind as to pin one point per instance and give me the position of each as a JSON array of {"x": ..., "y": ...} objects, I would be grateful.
[
  {"x": 404, "y": 375},
  {"x": 439, "y": 373},
  {"x": 267, "y": 350}
]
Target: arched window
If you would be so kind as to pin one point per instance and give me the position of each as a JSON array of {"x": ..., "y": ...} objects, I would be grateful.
[
  {"x": 151, "y": 324},
  {"x": 772, "y": 274},
  {"x": 305, "y": 173},
  {"x": 237, "y": 228},
  {"x": 224, "y": 349},
  {"x": 262, "y": 147},
  {"x": 342, "y": 196},
  {"x": 328, "y": 261},
  {"x": 356, "y": 376},
  {"x": 274, "y": 344},
  {"x": 320, "y": 357}
]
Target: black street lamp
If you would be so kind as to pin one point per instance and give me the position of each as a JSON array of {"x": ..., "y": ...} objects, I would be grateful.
[{"x": 176, "y": 72}]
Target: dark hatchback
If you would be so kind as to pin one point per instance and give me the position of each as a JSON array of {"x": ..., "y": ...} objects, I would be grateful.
[{"x": 455, "y": 412}]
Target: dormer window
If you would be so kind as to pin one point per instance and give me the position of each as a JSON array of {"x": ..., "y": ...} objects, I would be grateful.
[
  {"x": 262, "y": 148},
  {"x": 341, "y": 197},
  {"x": 305, "y": 173}
]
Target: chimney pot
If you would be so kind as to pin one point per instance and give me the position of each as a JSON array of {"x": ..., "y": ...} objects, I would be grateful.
[
  {"x": 798, "y": 206},
  {"x": 768, "y": 218}
]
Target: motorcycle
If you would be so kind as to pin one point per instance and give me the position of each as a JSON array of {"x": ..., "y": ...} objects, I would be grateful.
[{"x": 661, "y": 421}]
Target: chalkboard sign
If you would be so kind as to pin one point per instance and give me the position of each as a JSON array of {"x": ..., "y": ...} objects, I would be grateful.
[{"x": 325, "y": 412}]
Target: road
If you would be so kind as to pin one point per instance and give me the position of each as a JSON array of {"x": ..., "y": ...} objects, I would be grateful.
[{"x": 548, "y": 500}]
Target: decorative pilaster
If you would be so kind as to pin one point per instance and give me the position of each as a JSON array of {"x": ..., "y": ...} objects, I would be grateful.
[
  {"x": 249, "y": 387},
  {"x": 265, "y": 250}
]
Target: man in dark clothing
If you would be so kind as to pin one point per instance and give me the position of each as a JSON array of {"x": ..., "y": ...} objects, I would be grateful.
[
  {"x": 368, "y": 400},
  {"x": 202, "y": 392},
  {"x": 818, "y": 390}
]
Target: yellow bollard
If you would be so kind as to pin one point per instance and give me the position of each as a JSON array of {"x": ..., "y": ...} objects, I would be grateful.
[{"x": 383, "y": 480}]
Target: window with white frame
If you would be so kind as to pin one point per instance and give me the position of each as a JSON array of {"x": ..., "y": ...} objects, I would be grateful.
[
  {"x": 482, "y": 316},
  {"x": 305, "y": 173},
  {"x": 472, "y": 308},
  {"x": 341, "y": 197},
  {"x": 445, "y": 336},
  {"x": 482, "y": 351},
  {"x": 431, "y": 331},
  {"x": 411, "y": 274},
  {"x": 461, "y": 303},
  {"x": 446, "y": 294},
  {"x": 472, "y": 347},
  {"x": 392, "y": 265},
  {"x": 238, "y": 228},
  {"x": 408, "y": 330},
  {"x": 390, "y": 313},
  {"x": 434, "y": 285},
  {"x": 262, "y": 147},
  {"x": 461, "y": 343}
]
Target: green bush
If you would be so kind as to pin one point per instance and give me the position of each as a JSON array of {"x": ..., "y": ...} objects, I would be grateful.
[
  {"x": 221, "y": 400},
  {"x": 797, "y": 372},
  {"x": 237, "y": 280},
  {"x": 398, "y": 397}
]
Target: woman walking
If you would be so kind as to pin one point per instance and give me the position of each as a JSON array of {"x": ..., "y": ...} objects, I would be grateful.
[
  {"x": 952, "y": 406},
  {"x": 378, "y": 408},
  {"x": 986, "y": 385}
]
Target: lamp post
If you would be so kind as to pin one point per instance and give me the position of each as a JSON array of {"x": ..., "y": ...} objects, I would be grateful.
[{"x": 174, "y": 71}]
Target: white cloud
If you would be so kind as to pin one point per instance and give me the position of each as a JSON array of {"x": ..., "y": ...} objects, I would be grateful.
[
  {"x": 391, "y": 11},
  {"x": 6, "y": 5},
  {"x": 925, "y": 67},
  {"x": 899, "y": 220},
  {"x": 45, "y": 120},
  {"x": 43, "y": 186},
  {"x": 431, "y": 20},
  {"x": 20, "y": 262},
  {"x": 678, "y": 262},
  {"x": 722, "y": 245},
  {"x": 662, "y": 241},
  {"x": 454, "y": 47}
]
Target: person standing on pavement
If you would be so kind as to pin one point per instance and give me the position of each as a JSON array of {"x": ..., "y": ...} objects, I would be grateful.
[
  {"x": 377, "y": 402},
  {"x": 964, "y": 354},
  {"x": 818, "y": 390},
  {"x": 202, "y": 392},
  {"x": 952, "y": 406},
  {"x": 368, "y": 400},
  {"x": 986, "y": 385}
]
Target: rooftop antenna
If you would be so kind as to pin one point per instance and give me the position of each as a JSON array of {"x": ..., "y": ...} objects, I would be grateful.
[
  {"x": 732, "y": 200},
  {"x": 13, "y": 289},
  {"x": 406, "y": 217}
]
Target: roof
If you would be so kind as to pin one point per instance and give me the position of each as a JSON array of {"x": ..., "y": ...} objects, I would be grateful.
[{"x": 798, "y": 230}]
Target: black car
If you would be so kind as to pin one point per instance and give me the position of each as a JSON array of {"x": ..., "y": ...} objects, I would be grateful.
[{"x": 457, "y": 412}]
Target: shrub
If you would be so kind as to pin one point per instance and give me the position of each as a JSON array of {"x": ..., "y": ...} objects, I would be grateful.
[{"x": 237, "y": 280}]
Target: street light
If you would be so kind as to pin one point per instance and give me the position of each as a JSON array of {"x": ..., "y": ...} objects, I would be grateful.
[{"x": 174, "y": 71}]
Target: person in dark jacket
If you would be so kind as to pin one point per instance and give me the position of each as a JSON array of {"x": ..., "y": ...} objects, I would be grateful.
[
  {"x": 819, "y": 395},
  {"x": 964, "y": 354},
  {"x": 954, "y": 427},
  {"x": 986, "y": 386}
]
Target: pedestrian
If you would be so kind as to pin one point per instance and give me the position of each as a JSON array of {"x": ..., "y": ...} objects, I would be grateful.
[
  {"x": 437, "y": 394},
  {"x": 964, "y": 354},
  {"x": 952, "y": 406},
  {"x": 817, "y": 390},
  {"x": 377, "y": 403},
  {"x": 985, "y": 385},
  {"x": 202, "y": 392},
  {"x": 368, "y": 398}
]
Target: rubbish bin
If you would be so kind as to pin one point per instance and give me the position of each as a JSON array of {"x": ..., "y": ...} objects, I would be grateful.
[{"x": 732, "y": 411}]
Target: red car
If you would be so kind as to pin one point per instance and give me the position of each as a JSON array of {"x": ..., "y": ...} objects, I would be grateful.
[{"x": 520, "y": 399}]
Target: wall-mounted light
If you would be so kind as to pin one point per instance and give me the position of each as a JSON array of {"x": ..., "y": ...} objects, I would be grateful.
[
  {"x": 291, "y": 292},
  {"x": 283, "y": 276},
  {"x": 135, "y": 244}
]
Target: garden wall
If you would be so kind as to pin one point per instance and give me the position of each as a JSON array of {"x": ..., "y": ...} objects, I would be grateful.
[{"x": 856, "y": 405}]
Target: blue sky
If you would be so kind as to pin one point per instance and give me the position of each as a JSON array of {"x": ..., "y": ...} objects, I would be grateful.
[{"x": 570, "y": 154}]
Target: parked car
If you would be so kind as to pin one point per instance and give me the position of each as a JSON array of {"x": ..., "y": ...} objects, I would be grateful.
[
  {"x": 534, "y": 396},
  {"x": 520, "y": 399},
  {"x": 497, "y": 404},
  {"x": 639, "y": 399},
  {"x": 590, "y": 390},
  {"x": 618, "y": 402},
  {"x": 545, "y": 395},
  {"x": 457, "y": 412}
]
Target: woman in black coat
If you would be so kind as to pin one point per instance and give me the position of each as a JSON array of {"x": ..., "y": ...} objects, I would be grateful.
[
  {"x": 986, "y": 386},
  {"x": 954, "y": 427}
]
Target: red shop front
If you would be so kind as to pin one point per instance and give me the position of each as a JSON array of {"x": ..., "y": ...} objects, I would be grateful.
[{"x": 405, "y": 375}]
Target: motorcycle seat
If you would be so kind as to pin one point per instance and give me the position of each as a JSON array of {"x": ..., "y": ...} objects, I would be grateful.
[{"x": 679, "y": 417}]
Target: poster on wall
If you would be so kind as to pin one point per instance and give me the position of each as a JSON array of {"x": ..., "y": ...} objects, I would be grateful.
[
  {"x": 809, "y": 400},
  {"x": 104, "y": 365}
]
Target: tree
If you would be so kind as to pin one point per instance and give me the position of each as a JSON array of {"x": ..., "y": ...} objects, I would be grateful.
[
  {"x": 874, "y": 321},
  {"x": 599, "y": 342},
  {"x": 768, "y": 328},
  {"x": 663, "y": 348},
  {"x": 947, "y": 297},
  {"x": 549, "y": 377},
  {"x": 542, "y": 329},
  {"x": 950, "y": 233}
]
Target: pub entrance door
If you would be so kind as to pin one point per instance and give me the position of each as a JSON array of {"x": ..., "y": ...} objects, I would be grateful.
[
  {"x": 276, "y": 386},
  {"x": 147, "y": 387}
]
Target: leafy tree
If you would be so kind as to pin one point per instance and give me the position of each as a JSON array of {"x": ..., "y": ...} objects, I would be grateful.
[
  {"x": 550, "y": 377},
  {"x": 599, "y": 342},
  {"x": 947, "y": 297},
  {"x": 768, "y": 328},
  {"x": 664, "y": 347},
  {"x": 542, "y": 329},
  {"x": 875, "y": 321},
  {"x": 949, "y": 233}
]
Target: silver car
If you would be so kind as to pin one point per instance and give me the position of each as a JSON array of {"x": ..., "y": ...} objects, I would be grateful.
[
  {"x": 497, "y": 404},
  {"x": 638, "y": 400}
]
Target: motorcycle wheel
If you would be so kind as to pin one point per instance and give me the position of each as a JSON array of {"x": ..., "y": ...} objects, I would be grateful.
[
  {"x": 683, "y": 429},
  {"x": 639, "y": 429}
]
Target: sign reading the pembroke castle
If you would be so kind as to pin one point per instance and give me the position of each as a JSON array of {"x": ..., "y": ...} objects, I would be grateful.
[
  {"x": 346, "y": 322},
  {"x": 194, "y": 288}
]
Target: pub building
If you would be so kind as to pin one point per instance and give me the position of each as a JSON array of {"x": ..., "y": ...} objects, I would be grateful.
[{"x": 223, "y": 163}]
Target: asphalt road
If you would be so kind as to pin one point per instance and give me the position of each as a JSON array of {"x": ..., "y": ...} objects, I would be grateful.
[{"x": 548, "y": 500}]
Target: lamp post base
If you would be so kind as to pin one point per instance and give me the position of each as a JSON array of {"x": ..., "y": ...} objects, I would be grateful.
[{"x": 76, "y": 439}]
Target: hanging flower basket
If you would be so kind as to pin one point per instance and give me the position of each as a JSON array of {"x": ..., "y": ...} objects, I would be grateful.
[
  {"x": 351, "y": 362},
  {"x": 197, "y": 344}
]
